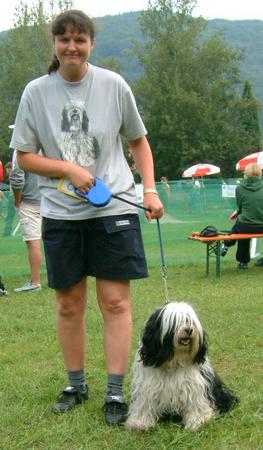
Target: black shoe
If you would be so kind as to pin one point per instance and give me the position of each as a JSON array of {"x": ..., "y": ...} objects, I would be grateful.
[
  {"x": 69, "y": 398},
  {"x": 115, "y": 410},
  {"x": 242, "y": 266},
  {"x": 224, "y": 250}
]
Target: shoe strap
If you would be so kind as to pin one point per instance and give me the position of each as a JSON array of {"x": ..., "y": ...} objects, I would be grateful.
[
  {"x": 114, "y": 399},
  {"x": 70, "y": 390}
]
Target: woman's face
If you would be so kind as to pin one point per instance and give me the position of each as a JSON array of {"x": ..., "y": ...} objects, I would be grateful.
[{"x": 73, "y": 49}]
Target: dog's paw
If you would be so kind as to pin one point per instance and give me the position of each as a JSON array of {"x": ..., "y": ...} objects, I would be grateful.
[
  {"x": 194, "y": 423},
  {"x": 135, "y": 423},
  {"x": 193, "y": 426}
]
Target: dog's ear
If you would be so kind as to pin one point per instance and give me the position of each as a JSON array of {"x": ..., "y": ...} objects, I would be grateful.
[
  {"x": 85, "y": 122},
  {"x": 153, "y": 352},
  {"x": 65, "y": 125},
  {"x": 202, "y": 351}
]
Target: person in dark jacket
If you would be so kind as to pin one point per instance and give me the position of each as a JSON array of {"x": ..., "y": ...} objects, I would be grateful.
[{"x": 249, "y": 198}]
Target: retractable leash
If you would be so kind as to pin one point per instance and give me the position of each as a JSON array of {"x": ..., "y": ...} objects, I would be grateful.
[{"x": 99, "y": 195}]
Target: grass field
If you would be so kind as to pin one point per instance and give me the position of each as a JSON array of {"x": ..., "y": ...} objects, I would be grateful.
[{"x": 32, "y": 372}]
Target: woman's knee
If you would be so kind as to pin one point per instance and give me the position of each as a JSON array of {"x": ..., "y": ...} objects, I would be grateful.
[
  {"x": 71, "y": 302},
  {"x": 113, "y": 296},
  {"x": 116, "y": 304},
  {"x": 70, "y": 307}
]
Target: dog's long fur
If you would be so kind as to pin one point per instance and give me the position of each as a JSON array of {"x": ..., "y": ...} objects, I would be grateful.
[
  {"x": 172, "y": 374},
  {"x": 77, "y": 144}
]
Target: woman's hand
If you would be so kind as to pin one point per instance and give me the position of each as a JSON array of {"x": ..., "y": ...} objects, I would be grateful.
[
  {"x": 151, "y": 201},
  {"x": 142, "y": 154},
  {"x": 233, "y": 215},
  {"x": 81, "y": 178}
]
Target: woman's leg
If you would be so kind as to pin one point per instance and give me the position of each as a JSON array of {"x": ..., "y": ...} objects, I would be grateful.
[
  {"x": 35, "y": 259},
  {"x": 115, "y": 304},
  {"x": 71, "y": 305}
]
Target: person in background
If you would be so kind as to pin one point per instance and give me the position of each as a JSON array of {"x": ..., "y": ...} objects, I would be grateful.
[
  {"x": 11, "y": 212},
  {"x": 165, "y": 193},
  {"x": 195, "y": 202},
  {"x": 3, "y": 290},
  {"x": 27, "y": 202},
  {"x": 249, "y": 213},
  {"x": 76, "y": 115},
  {"x": 165, "y": 183}
]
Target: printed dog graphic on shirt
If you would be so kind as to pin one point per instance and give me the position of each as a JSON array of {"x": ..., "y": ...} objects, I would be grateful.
[{"x": 77, "y": 144}]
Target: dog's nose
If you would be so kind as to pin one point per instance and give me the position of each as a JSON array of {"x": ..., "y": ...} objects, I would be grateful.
[{"x": 189, "y": 331}]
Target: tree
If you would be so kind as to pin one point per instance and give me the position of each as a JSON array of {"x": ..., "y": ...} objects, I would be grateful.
[
  {"x": 110, "y": 63},
  {"x": 189, "y": 94},
  {"x": 24, "y": 55},
  {"x": 249, "y": 120}
]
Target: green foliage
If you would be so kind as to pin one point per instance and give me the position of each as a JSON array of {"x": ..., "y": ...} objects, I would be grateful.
[
  {"x": 110, "y": 63},
  {"x": 249, "y": 118},
  {"x": 205, "y": 80},
  {"x": 189, "y": 92},
  {"x": 115, "y": 37}
]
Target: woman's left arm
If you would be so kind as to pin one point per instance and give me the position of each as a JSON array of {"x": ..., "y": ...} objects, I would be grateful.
[{"x": 143, "y": 159}]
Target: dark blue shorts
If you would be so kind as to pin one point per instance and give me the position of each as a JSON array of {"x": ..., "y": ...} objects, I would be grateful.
[{"x": 106, "y": 247}]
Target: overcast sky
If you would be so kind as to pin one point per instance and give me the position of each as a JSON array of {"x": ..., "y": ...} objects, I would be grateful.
[{"x": 210, "y": 9}]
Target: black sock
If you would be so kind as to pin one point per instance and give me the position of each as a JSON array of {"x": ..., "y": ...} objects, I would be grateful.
[
  {"x": 115, "y": 383},
  {"x": 77, "y": 379}
]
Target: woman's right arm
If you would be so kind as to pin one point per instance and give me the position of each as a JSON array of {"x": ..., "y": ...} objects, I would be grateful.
[{"x": 81, "y": 178}]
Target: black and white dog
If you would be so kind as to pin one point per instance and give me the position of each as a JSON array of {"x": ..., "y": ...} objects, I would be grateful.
[{"x": 172, "y": 374}]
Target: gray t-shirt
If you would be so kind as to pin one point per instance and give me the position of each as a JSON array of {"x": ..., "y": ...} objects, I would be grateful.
[{"x": 81, "y": 122}]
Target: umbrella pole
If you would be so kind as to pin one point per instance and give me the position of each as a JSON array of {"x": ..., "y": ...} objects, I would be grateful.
[{"x": 204, "y": 194}]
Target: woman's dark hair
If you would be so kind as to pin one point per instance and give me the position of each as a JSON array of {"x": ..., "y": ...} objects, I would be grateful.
[{"x": 78, "y": 20}]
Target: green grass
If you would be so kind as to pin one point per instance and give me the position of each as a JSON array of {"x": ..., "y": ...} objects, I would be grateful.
[{"x": 32, "y": 372}]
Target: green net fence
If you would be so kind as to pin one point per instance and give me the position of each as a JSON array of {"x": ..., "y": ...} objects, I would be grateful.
[{"x": 189, "y": 206}]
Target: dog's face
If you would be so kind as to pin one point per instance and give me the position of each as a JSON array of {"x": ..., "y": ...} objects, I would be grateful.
[
  {"x": 173, "y": 334},
  {"x": 74, "y": 117},
  {"x": 187, "y": 339}
]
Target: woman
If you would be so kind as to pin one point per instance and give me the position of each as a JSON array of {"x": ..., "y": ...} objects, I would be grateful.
[
  {"x": 249, "y": 198},
  {"x": 75, "y": 116}
]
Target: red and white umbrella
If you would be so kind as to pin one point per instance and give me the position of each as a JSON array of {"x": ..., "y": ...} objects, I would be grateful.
[
  {"x": 200, "y": 170},
  {"x": 256, "y": 158}
]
